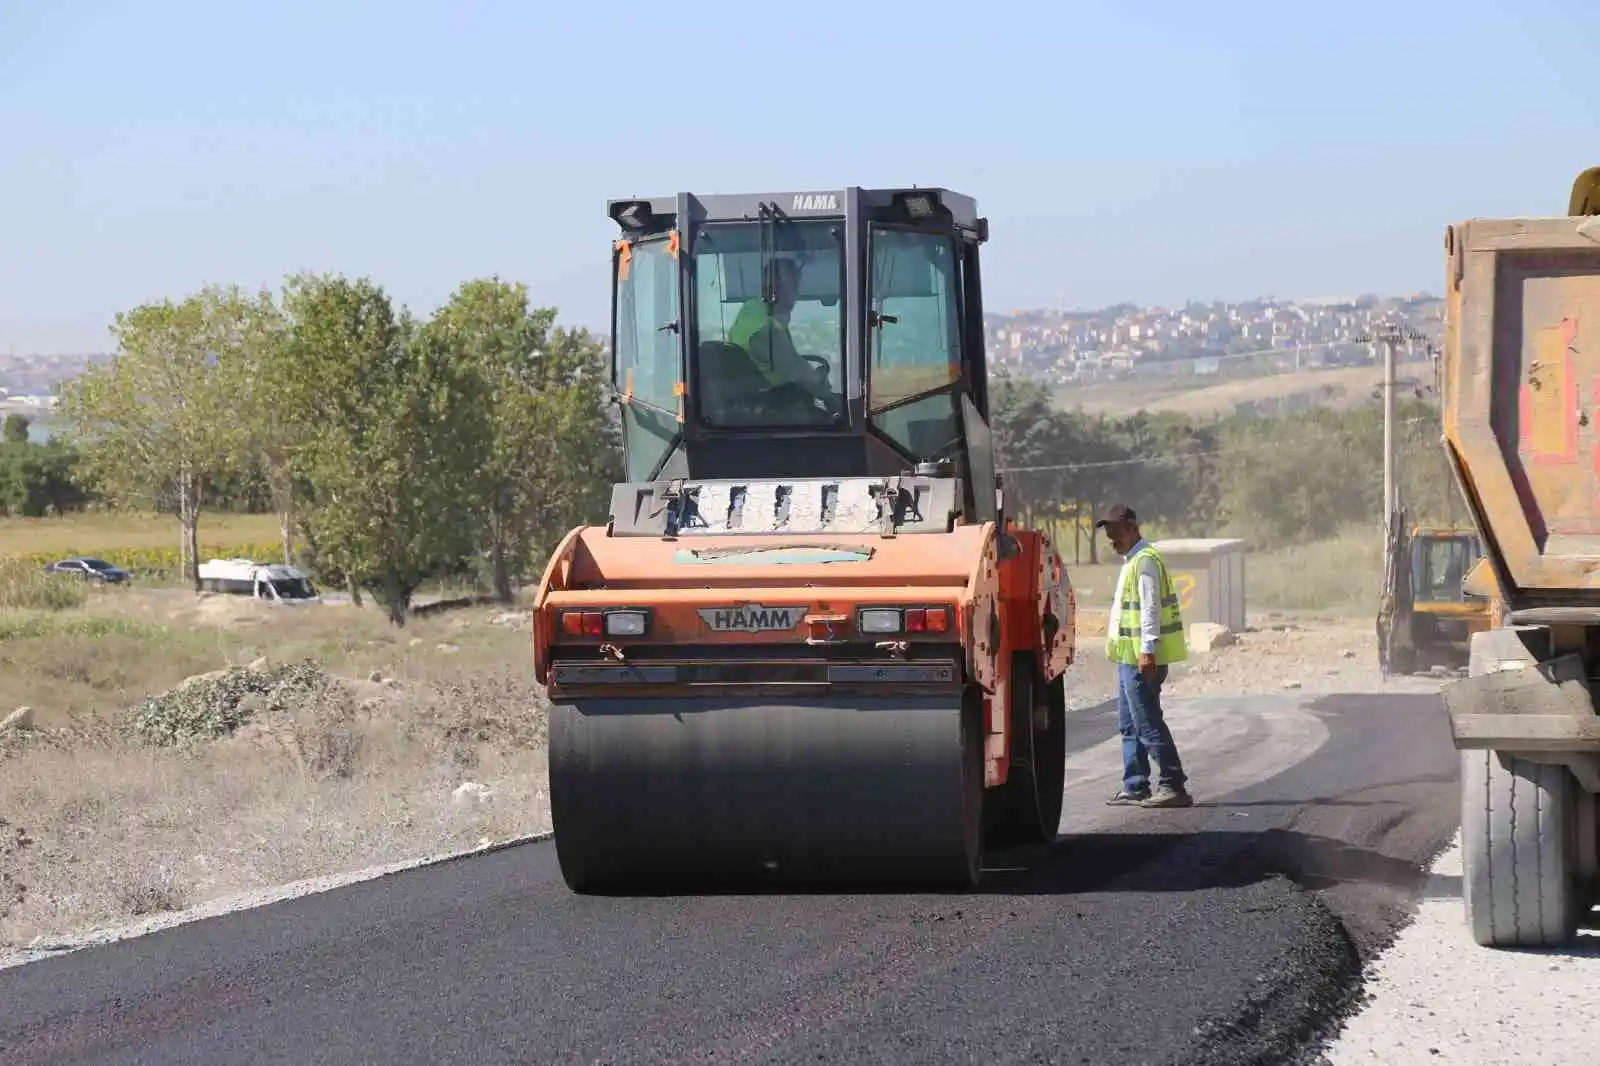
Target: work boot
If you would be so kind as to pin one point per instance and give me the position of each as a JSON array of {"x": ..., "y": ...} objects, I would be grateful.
[
  {"x": 1167, "y": 796},
  {"x": 1124, "y": 798}
]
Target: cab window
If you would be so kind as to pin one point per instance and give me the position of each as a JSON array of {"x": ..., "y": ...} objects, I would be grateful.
[
  {"x": 647, "y": 366},
  {"x": 914, "y": 345},
  {"x": 1444, "y": 566},
  {"x": 761, "y": 363}
]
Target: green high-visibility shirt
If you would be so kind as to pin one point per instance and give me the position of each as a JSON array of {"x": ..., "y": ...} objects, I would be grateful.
[{"x": 753, "y": 317}]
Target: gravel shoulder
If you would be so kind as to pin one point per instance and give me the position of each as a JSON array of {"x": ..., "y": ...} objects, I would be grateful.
[{"x": 1436, "y": 996}]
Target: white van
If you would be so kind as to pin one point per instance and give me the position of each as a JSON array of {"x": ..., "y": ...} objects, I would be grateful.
[{"x": 272, "y": 582}]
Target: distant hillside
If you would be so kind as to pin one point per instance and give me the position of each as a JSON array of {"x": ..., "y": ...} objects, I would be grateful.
[{"x": 1269, "y": 394}]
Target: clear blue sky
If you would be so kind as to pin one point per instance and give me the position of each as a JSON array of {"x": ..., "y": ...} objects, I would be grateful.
[{"x": 1160, "y": 152}]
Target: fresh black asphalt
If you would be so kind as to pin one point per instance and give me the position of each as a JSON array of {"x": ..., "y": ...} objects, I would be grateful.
[{"x": 1231, "y": 932}]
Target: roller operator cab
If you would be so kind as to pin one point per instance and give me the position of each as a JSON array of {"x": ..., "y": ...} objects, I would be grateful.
[{"x": 808, "y": 644}]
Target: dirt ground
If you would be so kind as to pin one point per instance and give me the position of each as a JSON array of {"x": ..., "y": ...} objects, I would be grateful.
[
  {"x": 417, "y": 742},
  {"x": 381, "y": 745},
  {"x": 1273, "y": 655}
]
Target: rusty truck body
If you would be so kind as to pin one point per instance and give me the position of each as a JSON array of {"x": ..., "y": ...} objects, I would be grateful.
[{"x": 1521, "y": 415}]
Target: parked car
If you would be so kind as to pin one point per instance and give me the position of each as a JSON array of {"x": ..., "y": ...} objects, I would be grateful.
[{"x": 90, "y": 570}]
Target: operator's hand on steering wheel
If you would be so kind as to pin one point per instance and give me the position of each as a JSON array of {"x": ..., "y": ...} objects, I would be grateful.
[{"x": 820, "y": 366}]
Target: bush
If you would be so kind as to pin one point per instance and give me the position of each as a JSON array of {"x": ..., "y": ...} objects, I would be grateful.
[
  {"x": 25, "y": 585},
  {"x": 213, "y": 705}
]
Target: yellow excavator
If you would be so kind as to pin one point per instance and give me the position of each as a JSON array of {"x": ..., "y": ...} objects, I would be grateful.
[{"x": 1430, "y": 609}]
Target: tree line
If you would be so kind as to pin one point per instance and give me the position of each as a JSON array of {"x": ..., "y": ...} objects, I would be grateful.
[
  {"x": 36, "y": 479},
  {"x": 393, "y": 449},
  {"x": 1275, "y": 481}
]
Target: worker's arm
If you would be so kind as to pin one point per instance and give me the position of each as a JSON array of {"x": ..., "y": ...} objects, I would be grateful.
[
  {"x": 774, "y": 348},
  {"x": 1149, "y": 613}
]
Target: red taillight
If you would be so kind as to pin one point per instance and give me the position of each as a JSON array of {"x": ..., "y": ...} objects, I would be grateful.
[
  {"x": 916, "y": 620},
  {"x": 614, "y": 622},
  {"x": 938, "y": 619},
  {"x": 583, "y": 623}
]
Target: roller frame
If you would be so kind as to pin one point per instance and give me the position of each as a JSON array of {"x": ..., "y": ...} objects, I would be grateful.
[{"x": 780, "y": 747}]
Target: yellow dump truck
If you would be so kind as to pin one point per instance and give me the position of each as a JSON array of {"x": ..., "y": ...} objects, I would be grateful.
[{"x": 1521, "y": 416}]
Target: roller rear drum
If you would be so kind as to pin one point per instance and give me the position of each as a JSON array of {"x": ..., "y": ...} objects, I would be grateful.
[{"x": 651, "y": 795}]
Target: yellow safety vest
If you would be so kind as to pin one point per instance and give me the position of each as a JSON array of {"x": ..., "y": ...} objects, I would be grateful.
[
  {"x": 753, "y": 316},
  {"x": 1123, "y": 642}
]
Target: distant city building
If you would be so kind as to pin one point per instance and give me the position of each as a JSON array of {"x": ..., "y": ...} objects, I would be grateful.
[{"x": 1217, "y": 339}]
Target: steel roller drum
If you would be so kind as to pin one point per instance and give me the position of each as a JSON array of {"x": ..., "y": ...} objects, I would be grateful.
[{"x": 652, "y": 794}]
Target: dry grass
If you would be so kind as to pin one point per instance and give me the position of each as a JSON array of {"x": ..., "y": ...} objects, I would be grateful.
[
  {"x": 1201, "y": 397},
  {"x": 1339, "y": 577},
  {"x": 102, "y": 828},
  {"x": 108, "y": 531},
  {"x": 25, "y": 586}
]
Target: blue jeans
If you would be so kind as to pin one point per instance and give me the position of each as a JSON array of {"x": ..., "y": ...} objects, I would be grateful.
[{"x": 1145, "y": 732}]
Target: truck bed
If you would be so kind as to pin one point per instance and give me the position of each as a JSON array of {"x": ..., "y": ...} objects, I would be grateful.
[{"x": 1522, "y": 401}]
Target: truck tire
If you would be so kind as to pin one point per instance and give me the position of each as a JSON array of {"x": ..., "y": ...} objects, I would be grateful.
[{"x": 1518, "y": 822}]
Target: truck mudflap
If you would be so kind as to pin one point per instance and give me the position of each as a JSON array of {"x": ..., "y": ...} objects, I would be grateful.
[
  {"x": 701, "y": 789},
  {"x": 1516, "y": 700}
]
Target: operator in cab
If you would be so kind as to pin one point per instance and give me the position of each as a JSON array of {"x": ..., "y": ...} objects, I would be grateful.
[{"x": 762, "y": 330}]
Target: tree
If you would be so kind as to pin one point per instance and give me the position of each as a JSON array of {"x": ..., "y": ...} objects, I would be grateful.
[
  {"x": 394, "y": 434},
  {"x": 37, "y": 479},
  {"x": 550, "y": 461},
  {"x": 1060, "y": 464},
  {"x": 157, "y": 419},
  {"x": 1026, "y": 429},
  {"x": 16, "y": 429},
  {"x": 275, "y": 431}
]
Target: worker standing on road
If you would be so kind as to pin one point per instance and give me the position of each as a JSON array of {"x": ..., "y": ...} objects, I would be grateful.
[{"x": 1144, "y": 636}]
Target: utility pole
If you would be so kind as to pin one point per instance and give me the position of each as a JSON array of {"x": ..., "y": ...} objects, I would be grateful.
[
  {"x": 1388, "y": 337},
  {"x": 1390, "y": 489}
]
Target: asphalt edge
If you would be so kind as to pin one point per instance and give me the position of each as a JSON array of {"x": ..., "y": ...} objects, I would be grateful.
[
  {"x": 1318, "y": 1047},
  {"x": 1284, "y": 1019},
  {"x": 56, "y": 947},
  {"x": 1317, "y": 984}
]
